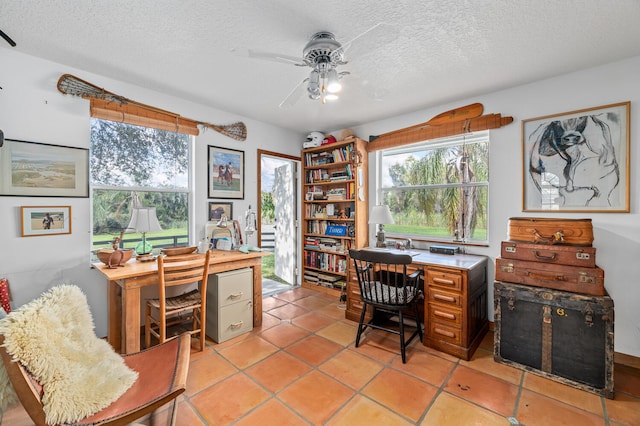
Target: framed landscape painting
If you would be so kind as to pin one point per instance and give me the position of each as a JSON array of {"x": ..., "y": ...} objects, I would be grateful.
[
  {"x": 577, "y": 161},
  {"x": 225, "y": 173},
  {"x": 32, "y": 169},
  {"x": 45, "y": 220}
]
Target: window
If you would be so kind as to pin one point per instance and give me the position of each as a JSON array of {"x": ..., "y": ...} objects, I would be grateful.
[
  {"x": 128, "y": 162},
  {"x": 438, "y": 189}
]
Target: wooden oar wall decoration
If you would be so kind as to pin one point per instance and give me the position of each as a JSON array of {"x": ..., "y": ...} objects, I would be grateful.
[
  {"x": 457, "y": 121},
  {"x": 116, "y": 108}
]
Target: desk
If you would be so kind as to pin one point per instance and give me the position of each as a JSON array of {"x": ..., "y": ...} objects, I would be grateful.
[
  {"x": 125, "y": 284},
  {"x": 455, "y": 300}
]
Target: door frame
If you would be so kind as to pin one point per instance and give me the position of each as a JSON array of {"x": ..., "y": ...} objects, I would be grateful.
[{"x": 262, "y": 152}]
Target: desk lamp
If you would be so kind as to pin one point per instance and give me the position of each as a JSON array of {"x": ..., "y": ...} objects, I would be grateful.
[
  {"x": 380, "y": 215},
  {"x": 144, "y": 219}
]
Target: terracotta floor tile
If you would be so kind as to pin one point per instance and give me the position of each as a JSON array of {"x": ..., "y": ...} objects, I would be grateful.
[
  {"x": 313, "y": 302},
  {"x": 228, "y": 400},
  {"x": 284, "y": 334},
  {"x": 361, "y": 411},
  {"x": 351, "y": 368},
  {"x": 425, "y": 366},
  {"x": 567, "y": 394},
  {"x": 313, "y": 321},
  {"x": 472, "y": 385},
  {"x": 187, "y": 416},
  {"x": 339, "y": 332},
  {"x": 627, "y": 379},
  {"x": 382, "y": 346},
  {"x": 401, "y": 393},
  {"x": 316, "y": 396},
  {"x": 332, "y": 310},
  {"x": 314, "y": 349},
  {"x": 535, "y": 409},
  {"x": 268, "y": 321},
  {"x": 624, "y": 409},
  {"x": 487, "y": 342},
  {"x": 277, "y": 371},
  {"x": 482, "y": 360},
  {"x": 218, "y": 346},
  {"x": 288, "y": 311},
  {"x": 272, "y": 302},
  {"x": 16, "y": 416},
  {"x": 272, "y": 413},
  {"x": 449, "y": 410},
  {"x": 248, "y": 352},
  {"x": 205, "y": 371},
  {"x": 295, "y": 294}
]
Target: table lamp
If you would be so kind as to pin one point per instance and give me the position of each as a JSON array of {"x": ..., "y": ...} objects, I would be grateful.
[
  {"x": 144, "y": 219},
  {"x": 380, "y": 215}
]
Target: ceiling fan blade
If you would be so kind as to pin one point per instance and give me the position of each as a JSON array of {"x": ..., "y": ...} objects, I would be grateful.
[
  {"x": 293, "y": 96},
  {"x": 276, "y": 57},
  {"x": 369, "y": 40}
]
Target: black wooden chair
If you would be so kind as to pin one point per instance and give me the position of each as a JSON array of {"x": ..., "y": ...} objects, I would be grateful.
[{"x": 386, "y": 287}]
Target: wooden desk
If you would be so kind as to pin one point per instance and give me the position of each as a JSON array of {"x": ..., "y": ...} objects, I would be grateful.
[
  {"x": 455, "y": 300},
  {"x": 124, "y": 292}
]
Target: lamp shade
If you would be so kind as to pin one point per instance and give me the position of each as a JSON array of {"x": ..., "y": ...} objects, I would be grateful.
[
  {"x": 381, "y": 215},
  {"x": 144, "y": 219}
]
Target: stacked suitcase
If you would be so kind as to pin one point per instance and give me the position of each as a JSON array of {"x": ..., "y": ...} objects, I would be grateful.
[{"x": 553, "y": 316}]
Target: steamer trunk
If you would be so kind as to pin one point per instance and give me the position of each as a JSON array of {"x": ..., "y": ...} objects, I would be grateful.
[
  {"x": 551, "y": 231},
  {"x": 558, "y": 335},
  {"x": 559, "y": 277},
  {"x": 556, "y": 254}
]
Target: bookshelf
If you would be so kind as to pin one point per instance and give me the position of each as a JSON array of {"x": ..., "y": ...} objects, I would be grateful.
[{"x": 334, "y": 210}]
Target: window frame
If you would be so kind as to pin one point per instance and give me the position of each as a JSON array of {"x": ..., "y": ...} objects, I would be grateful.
[{"x": 456, "y": 140}]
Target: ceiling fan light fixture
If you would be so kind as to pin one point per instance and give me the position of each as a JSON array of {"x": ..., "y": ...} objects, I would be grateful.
[
  {"x": 333, "y": 82},
  {"x": 314, "y": 83},
  {"x": 331, "y": 97}
]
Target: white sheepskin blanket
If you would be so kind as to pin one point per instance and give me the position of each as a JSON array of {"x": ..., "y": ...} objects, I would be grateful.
[{"x": 53, "y": 336}]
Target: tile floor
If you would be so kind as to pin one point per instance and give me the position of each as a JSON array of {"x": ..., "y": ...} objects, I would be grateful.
[{"x": 301, "y": 368}]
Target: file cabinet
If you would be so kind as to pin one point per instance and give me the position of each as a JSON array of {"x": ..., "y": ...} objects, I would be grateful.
[{"x": 229, "y": 304}]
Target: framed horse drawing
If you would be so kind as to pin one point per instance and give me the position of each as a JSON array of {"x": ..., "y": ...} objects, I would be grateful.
[
  {"x": 225, "y": 173},
  {"x": 577, "y": 161}
]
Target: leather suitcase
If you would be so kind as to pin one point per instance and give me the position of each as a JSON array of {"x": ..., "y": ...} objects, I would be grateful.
[
  {"x": 562, "y": 336},
  {"x": 551, "y": 231},
  {"x": 560, "y": 255},
  {"x": 576, "y": 279}
]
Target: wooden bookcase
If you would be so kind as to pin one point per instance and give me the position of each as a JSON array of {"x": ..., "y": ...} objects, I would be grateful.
[{"x": 334, "y": 212}]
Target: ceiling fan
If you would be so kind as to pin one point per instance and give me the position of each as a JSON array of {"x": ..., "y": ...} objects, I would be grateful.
[{"x": 323, "y": 54}]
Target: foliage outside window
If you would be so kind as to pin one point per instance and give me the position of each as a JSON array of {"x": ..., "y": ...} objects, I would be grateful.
[
  {"x": 437, "y": 190},
  {"x": 154, "y": 164}
]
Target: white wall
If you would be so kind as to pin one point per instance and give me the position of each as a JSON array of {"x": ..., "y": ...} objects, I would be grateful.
[
  {"x": 616, "y": 235},
  {"x": 32, "y": 109}
]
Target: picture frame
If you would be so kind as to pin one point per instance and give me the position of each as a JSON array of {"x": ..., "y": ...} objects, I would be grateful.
[
  {"x": 577, "y": 161},
  {"x": 45, "y": 220},
  {"x": 225, "y": 173},
  {"x": 217, "y": 210},
  {"x": 34, "y": 169}
]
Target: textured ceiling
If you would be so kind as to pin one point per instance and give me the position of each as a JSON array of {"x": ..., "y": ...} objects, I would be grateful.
[{"x": 424, "y": 53}]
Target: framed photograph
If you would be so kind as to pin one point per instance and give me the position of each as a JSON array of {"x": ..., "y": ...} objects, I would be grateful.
[
  {"x": 46, "y": 220},
  {"x": 33, "y": 169},
  {"x": 217, "y": 210},
  {"x": 577, "y": 161},
  {"x": 226, "y": 173}
]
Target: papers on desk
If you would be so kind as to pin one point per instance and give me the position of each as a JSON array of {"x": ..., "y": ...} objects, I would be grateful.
[{"x": 411, "y": 253}]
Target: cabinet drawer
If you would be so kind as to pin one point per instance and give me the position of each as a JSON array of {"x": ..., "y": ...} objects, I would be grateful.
[
  {"x": 232, "y": 320},
  {"x": 444, "y": 279},
  {"x": 234, "y": 286},
  {"x": 445, "y": 315},
  {"x": 444, "y": 297},
  {"x": 446, "y": 333}
]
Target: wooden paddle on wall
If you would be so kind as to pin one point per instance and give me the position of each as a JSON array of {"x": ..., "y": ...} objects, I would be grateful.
[{"x": 457, "y": 114}]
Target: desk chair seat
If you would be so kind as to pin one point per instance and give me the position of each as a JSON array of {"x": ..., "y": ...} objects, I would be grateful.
[
  {"x": 389, "y": 291},
  {"x": 190, "y": 307}
]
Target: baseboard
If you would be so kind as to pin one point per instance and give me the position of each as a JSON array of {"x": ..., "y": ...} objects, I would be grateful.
[{"x": 618, "y": 358}]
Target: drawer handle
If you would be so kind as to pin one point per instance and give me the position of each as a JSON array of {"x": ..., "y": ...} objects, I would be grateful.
[
  {"x": 446, "y": 315},
  {"x": 444, "y": 332},
  {"x": 237, "y": 324},
  {"x": 443, "y": 281},
  {"x": 236, "y": 295},
  {"x": 443, "y": 297}
]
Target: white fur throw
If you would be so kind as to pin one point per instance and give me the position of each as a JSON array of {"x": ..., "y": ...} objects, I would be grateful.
[{"x": 53, "y": 337}]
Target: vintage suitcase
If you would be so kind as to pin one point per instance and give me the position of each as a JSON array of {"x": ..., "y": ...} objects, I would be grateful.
[
  {"x": 562, "y": 336},
  {"x": 561, "y": 255},
  {"x": 559, "y": 277},
  {"x": 551, "y": 231}
]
